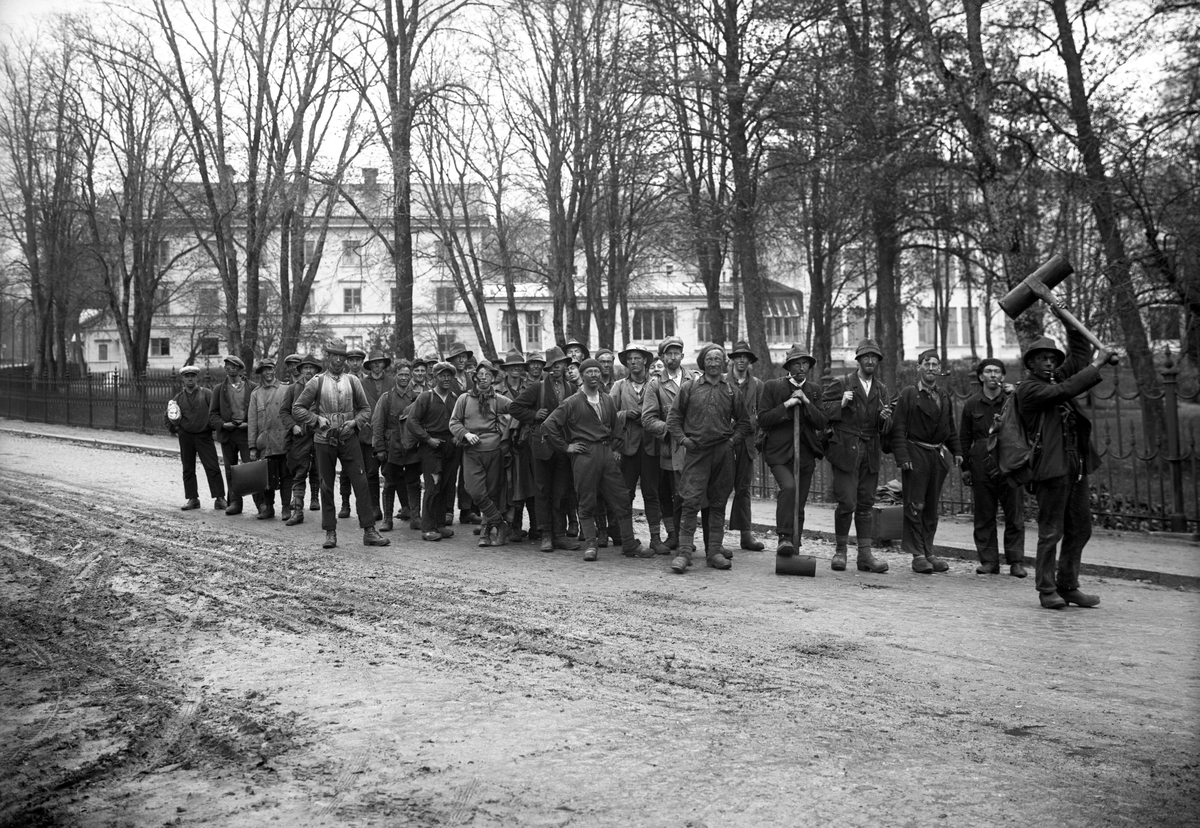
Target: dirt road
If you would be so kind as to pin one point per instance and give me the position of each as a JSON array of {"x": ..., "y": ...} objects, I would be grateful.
[{"x": 167, "y": 668}]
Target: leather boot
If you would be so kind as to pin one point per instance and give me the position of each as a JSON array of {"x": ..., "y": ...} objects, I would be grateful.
[
  {"x": 234, "y": 507},
  {"x": 314, "y": 503},
  {"x": 672, "y": 540},
  {"x": 330, "y": 539},
  {"x": 1082, "y": 599},
  {"x": 572, "y": 525},
  {"x": 921, "y": 565},
  {"x": 682, "y": 560},
  {"x": 547, "y": 541},
  {"x": 501, "y": 534},
  {"x": 219, "y": 505},
  {"x": 389, "y": 506},
  {"x": 716, "y": 560},
  {"x": 867, "y": 562},
  {"x": 656, "y": 543},
  {"x": 371, "y": 537},
  {"x": 601, "y": 533},
  {"x": 564, "y": 543},
  {"x": 937, "y": 563},
  {"x": 297, "y": 514},
  {"x": 190, "y": 503},
  {"x": 785, "y": 548},
  {"x": 285, "y": 510},
  {"x": 749, "y": 543},
  {"x": 1052, "y": 600},
  {"x": 344, "y": 512},
  {"x": 838, "y": 564}
]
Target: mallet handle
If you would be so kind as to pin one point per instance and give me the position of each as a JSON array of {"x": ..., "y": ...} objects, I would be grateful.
[{"x": 1069, "y": 318}]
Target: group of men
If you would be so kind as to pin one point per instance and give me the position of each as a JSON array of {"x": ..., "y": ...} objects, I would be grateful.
[{"x": 560, "y": 437}]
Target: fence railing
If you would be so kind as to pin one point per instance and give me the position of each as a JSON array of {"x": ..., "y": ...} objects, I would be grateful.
[{"x": 1140, "y": 486}]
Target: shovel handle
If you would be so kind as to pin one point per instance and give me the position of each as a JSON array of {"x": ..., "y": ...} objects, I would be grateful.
[
  {"x": 1071, "y": 320},
  {"x": 796, "y": 474}
]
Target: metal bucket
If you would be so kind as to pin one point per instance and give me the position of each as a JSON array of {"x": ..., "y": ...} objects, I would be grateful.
[{"x": 248, "y": 478}]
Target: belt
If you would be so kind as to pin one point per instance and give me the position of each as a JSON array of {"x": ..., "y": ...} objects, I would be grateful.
[
  {"x": 606, "y": 441},
  {"x": 930, "y": 446}
]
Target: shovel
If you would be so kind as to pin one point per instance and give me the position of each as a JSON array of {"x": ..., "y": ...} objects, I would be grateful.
[{"x": 796, "y": 564}]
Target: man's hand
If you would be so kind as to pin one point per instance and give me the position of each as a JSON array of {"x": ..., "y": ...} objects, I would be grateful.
[
  {"x": 297, "y": 430},
  {"x": 798, "y": 397},
  {"x": 577, "y": 448},
  {"x": 434, "y": 442},
  {"x": 541, "y": 415},
  {"x": 906, "y": 466},
  {"x": 381, "y": 456},
  {"x": 253, "y": 454},
  {"x": 1102, "y": 358},
  {"x": 886, "y": 412},
  {"x": 322, "y": 422},
  {"x": 472, "y": 439},
  {"x": 689, "y": 444},
  {"x": 347, "y": 429},
  {"x": 847, "y": 398},
  {"x": 958, "y": 460},
  {"x": 229, "y": 426},
  {"x": 966, "y": 478},
  {"x": 1009, "y": 388}
]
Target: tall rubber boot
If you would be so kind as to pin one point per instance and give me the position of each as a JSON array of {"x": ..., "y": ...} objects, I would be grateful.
[{"x": 389, "y": 505}]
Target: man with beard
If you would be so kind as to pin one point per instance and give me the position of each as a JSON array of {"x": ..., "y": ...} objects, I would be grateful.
[
  {"x": 923, "y": 440},
  {"x": 1046, "y": 400},
  {"x": 858, "y": 411},
  {"x": 267, "y": 437},
  {"x": 709, "y": 419},
  {"x": 429, "y": 421},
  {"x": 660, "y": 397},
  {"x": 783, "y": 401},
  {"x": 551, "y": 468},
  {"x": 582, "y": 427},
  {"x": 991, "y": 493},
  {"x": 194, "y": 431},
  {"x": 228, "y": 416},
  {"x": 638, "y": 448},
  {"x": 479, "y": 422},
  {"x": 399, "y": 466},
  {"x": 335, "y": 404},
  {"x": 750, "y": 387},
  {"x": 299, "y": 442}
]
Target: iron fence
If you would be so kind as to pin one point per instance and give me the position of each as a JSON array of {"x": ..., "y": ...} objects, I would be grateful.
[{"x": 1140, "y": 486}]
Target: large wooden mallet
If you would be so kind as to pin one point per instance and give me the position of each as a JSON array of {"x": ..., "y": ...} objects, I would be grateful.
[{"x": 1040, "y": 285}]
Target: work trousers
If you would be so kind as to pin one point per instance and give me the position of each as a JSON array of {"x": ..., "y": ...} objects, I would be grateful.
[
  {"x": 855, "y": 494},
  {"x": 349, "y": 454},
  {"x": 234, "y": 450},
  {"x": 1064, "y": 514},
  {"x": 279, "y": 476},
  {"x": 790, "y": 487},
  {"x": 598, "y": 474},
  {"x": 405, "y": 480},
  {"x": 707, "y": 476},
  {"x": 439, "y": 474},
  {"x": 743, "y": 474},
  {"x": 643, "y": 468},
  {"x": 371, "y": 469},
  {"x": 300, "y": 461},
  {"x": 483, "y": 472},
  {"x": 669, "y": 501},
  {"x": 922, "y": 491},
  {"x": 200, "y": 445},
  {"x": 990, "y": 496},
  {"x": 552, "y": 479}
]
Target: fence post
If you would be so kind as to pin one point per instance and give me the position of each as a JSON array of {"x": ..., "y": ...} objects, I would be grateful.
[
  {"x": 116, "y": 375},
  {"x": 91, "y": 423},
  {"x": 1176, "y": 520}
]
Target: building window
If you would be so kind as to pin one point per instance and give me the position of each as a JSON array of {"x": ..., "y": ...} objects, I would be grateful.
[
  {"x": 160, "y": 346},
  {"x": 952, "y": 326},
  {"x": 926, "y": 328},
  {"x": 352, "y": 252},
  {"x": 162, "y": 254},
  {"x": 784, "y": 316},
  {"x": 445, "y": 340},
  {"x": 447, "y": 299},
  {"x": 783, "y": 328},
  {"x": 310, "y": 250},
  {"x": 162, "y": 299},
  {"x": 704, "y": 328},
  {"x": 208, "y": 300},
  {"x": 102, "y": 350},
  {"x": 353, "y": 342},
  {"x": 530, "y": 330},
  {"x": 653, "y": 324},
  {"x": 209, "y": 346},
  {"x": 395, "y": 297},
  {"x": 352, "y": 300}
]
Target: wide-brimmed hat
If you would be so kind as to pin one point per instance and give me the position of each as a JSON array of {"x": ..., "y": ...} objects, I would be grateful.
[
  {"x": 188, "y": 369},
  {"x": 458, "y": 349},
  {"x": 631, "y": 348},
  {"x": 309, "y": 359},
  {"x": 670, "y": 342},
  {"x": 798, "y": 352},
  {"x": 233, "y": 359},
  {"x": 1040, "y": 344},
  {"x": 743, "y": 347},
  {"x": 535, "y": 356},
  {"x": 555, "y": 354},
  {"x": 578, "y": 345},
  {"x": 335, "y": 346},
  {"x": 379, "y": 356},
  {"x": 513, "y": 359},
  {"x": 265, "y": 362},
  {"x": 443, "y": 366},
  {"x": 867, "y": 346},
  {"x": 292, "y": 359}
]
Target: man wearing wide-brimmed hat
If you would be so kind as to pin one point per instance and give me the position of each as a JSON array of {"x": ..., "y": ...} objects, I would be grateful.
[
  {"x": 859, "y": 411},
  {"x": 429, "y": 423},
  {"x": 535, "y": 364},
  {"x": 397, "y": 453},
  {"x": 228, "y": 415},
  {"x": 481, "y": 424},
  {"x": 522, "y": 489},
  {"x": 923, "y": 441},
  {"x": 1046, "y": 401},
  {"x": 750, "y": 387},
  {"x": 783, "y": 401},
  {"x": 708, "y": 420},
  {"x": 660, "y": 396},
  {"x": 299, "y": 444},
  {"x": 335, "y": 405},
  {"x": 460, "y": 356},
  {"x": 267, "y": 436},
  {"x": 576, "y": 350},
  {"x": 551, "y": 469},
  {"x": 638, "y": 448},
  {"x": 374, "y": 382},
  {"x": 190, "y": 424}
]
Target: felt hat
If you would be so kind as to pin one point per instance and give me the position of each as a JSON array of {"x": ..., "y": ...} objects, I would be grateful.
[
  {"x": 1040, "y": 344},
  {"x": 188, "y": 369},
  {"x": 309, "y": 359},
  {"x": 379, "y": 356},
  {"x": 292, "y": 359},
  {"x": 798, "y": 352},
  {"x": 670, "y": 342},
  {"x": 235, "y": 360},
  {"x": 555, "y": 354},
  {"x": 486, "y": 363},
  {"x": 335, "y": 346},
  {"x": 513, "y": 359},
  {"x": 743, "y": 347},
  {"x": 990, "y": 361},
  {"x": 867, "y": 346},
  {"x": 429, "y": 360},
  {"x": 535, "y": 356},
  {"x": 577, "y": 344},
  {"x": 634, "y": 349},
  {"x": 265, "y": 362},
  {"x": 458, "y": 349}
]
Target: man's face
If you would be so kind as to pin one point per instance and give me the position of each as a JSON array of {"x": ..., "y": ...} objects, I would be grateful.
[
  {"x": 376, "y": 368},
  {"x": 354, "y": 363},
  {"x": 573, "y": 373},
  {"x": 575, "y": 352},
  {"x": 991, "y": 377},
  {"x": 930, "y": 369},
  {"x": 656, "y": 367},
  {"x": 1044, "y": 363},
  {"x": 606, "y": 364},
  {"x": 514, "y": 373},
  {"x": 293, "y": 369},
  {"x": 637, "y": 364},
  {"x": 798, "y": 369},
  {"x": 535, "y": 371},
  {"x": 556, "y": 370},
  {"x": 336, "y": 363},
  {"x": 404, "y": 377},
  {"x": 672, "y": 357},
  {"x": 483, "y": 379},
  {"x": 419, "y": 372},
  {"x": 268, "y": 375},
  {"x": 459, "y": 362},
  {"x": 444, "y": 379},
  {"x": 232, "y": 371},
  {"x": 307, "y": 372},
  {"x": 867, "y": 364},
  {"x": 714, "y": 363},
  {"x": 591, "y": 379},
  {"x": 741, "y": 363},
  {"x": 189, "y": 382}
]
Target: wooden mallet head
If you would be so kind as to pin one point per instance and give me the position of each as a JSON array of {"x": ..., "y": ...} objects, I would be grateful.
[{"x": 1037, "y": 285}]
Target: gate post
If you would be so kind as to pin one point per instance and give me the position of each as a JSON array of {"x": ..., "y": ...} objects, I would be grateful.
[{"x": 1176, "y": 520}]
